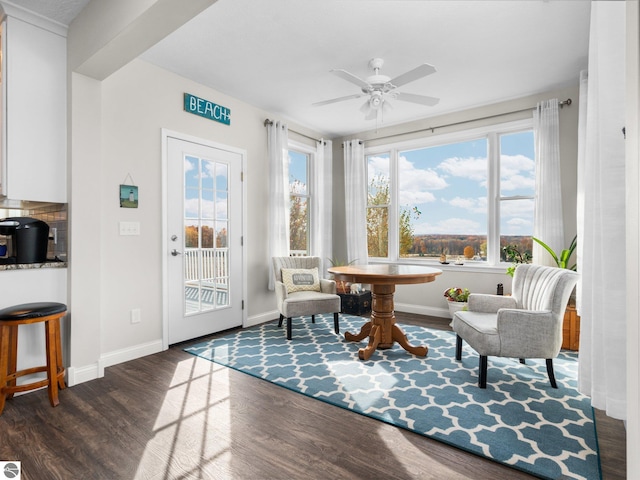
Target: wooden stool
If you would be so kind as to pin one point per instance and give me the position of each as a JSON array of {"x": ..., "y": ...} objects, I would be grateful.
[{"x": 12, "y": 317}]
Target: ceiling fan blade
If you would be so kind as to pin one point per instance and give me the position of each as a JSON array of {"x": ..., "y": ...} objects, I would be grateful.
[
  {"x": 350, "y": 77},
  {"x": 418, "y": 72},
  {"x": 421, "y": 99},
  {"x": 340, "y": 99}
]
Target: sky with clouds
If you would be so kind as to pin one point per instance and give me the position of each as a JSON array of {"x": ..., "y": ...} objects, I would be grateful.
[{"x": 448, "y": 185}]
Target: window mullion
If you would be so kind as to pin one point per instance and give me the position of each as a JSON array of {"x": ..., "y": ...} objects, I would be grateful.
[
  {"x": 493, "y": 200},
  {"x": 394, "y": 208}
]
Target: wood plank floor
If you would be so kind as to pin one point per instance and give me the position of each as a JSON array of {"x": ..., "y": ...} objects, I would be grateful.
[{"x": 174, "y": 416}]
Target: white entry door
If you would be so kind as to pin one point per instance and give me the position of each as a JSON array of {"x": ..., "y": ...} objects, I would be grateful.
[{"x": 204, "y": 239}]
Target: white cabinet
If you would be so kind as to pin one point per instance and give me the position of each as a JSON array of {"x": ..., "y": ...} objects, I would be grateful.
[{"x": 34, "y": 105}]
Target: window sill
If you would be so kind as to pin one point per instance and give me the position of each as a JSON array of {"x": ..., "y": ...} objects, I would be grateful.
[{"x": 469, "y": 266}]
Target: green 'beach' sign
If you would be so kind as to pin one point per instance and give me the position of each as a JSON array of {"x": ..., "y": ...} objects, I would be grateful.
[{"x": 205, "y": 108}]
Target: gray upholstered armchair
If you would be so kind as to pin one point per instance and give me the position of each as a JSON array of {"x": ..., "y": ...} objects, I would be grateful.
[
  {"x": 301, "y": 292},
  {"x": 527, "y": 324}
]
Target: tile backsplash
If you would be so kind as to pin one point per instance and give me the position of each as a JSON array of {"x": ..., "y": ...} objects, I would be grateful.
[{"x": 55, "y": 215}]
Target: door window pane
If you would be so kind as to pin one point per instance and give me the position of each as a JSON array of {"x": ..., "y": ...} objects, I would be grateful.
[{"x": 205, "y": 235}]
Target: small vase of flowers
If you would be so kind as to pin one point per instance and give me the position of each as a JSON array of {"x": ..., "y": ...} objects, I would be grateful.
[{"x": 456, "y": 299}]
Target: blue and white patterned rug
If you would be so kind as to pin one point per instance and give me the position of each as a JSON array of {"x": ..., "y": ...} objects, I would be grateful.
[{"x": 519, "y": 420}]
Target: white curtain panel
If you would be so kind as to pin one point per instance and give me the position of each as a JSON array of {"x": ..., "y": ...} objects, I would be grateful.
[
  {"x": 580, "y": 197},
  {"x": 548, "y": 223},
  {"x": 601, "y": 263},
  {"x": 322, "y": 204},
  {"x": 277, "y": 147},
  {"x": 355, "y": 196}
]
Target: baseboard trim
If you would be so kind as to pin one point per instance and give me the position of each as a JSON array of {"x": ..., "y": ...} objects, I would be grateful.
[
  {"x": 422, "y": 310},
  {"x": 131, "y": 353},
  {"x": 77, "y": 375},
  {"x": 262, "y": 318}
]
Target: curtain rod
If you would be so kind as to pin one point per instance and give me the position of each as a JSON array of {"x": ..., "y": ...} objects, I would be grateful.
[
  {"x": 561, "y": 104},
  {"x": 270, "y": 122}
]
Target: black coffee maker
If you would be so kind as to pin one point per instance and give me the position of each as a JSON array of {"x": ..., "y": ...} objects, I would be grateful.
[{"x": 26, "y": 240}]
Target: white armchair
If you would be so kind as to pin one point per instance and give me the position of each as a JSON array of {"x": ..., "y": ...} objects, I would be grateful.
[
  {"x": 527, "y": 324},
  {"x": 301, "y": 292}
]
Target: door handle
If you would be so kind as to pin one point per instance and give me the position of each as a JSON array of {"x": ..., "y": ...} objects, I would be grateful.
[{"x": 175, "y": 252}]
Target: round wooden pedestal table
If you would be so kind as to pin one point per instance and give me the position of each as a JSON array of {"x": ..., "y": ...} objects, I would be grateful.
[{"x": 382, "y": 329}]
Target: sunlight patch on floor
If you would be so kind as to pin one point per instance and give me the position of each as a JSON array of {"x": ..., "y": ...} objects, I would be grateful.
[
  {"x": 372, "y": 388},
  {"x": 192, "y": 428}
]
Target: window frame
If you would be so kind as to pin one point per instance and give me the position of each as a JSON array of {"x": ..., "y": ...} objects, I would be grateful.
[{"x": 492, "y": 134}]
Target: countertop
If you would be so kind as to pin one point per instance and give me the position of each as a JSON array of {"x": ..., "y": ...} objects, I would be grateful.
[{"x": 33, "y": 266}]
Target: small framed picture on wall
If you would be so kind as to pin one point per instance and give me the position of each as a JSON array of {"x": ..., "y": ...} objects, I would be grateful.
[{"x": 128, "y": 196}]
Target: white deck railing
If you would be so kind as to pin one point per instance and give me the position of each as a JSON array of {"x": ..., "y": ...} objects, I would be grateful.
[{"x": 213, "y": 268}]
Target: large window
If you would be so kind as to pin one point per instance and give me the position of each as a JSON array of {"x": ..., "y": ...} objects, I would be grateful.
[
  {"x": 460, "y": 197},
  {"x": 300, "y": 201}
]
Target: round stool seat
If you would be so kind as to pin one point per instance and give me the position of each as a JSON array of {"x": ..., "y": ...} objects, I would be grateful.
[{"x": 31, "y": 310}]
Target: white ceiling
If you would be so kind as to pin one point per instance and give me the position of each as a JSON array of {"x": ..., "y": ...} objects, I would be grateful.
[{"x": 277, "y": 54}]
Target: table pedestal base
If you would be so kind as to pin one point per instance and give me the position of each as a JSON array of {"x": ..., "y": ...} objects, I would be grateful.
[{"x": 382, "y": 329}]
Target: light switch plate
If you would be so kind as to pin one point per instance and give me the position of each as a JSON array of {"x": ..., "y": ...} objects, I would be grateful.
[{"x": 129, "y": 228}]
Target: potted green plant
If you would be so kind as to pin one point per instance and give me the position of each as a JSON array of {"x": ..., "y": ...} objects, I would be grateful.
[
  {"x": 513, "y": 254},
  {"x": 456, "y": 299},
  {"x": 561, "y": 260}
]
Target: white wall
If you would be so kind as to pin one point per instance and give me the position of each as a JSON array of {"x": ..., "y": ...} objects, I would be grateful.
[
  {"x": 120, "y": 273},
  {"x": 428, "y": 298},
  {"x": 85, "y": 242}
]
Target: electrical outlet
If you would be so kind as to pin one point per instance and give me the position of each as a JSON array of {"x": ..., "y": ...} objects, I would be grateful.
[{"x": 136, "y": 315}]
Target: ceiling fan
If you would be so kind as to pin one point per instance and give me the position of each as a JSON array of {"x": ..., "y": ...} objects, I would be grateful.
[{"x": 380, "y": 88}]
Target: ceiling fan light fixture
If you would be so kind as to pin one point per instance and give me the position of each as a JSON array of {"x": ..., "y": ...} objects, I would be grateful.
[{"x": 376, "y": 100}]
